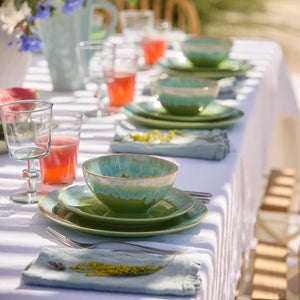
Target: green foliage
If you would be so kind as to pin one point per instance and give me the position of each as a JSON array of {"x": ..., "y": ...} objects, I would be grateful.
[
  {"x": 214, "y": 11},
  {"x": 210, "y": 10}
]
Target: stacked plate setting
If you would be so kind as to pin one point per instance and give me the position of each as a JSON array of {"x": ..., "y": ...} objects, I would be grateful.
[
  {"x": 152, "y": 114},
  {"x": 124, "y": 195},
  {"x": 206, "y": 57},
  {"x": 179, "y": 65},
  {"x": 77, "y": 208}
]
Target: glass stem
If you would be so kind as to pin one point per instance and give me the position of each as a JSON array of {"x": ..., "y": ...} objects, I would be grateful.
[
  {"x": 30, "y": 175},
  {"x": 99, "y": 95}
]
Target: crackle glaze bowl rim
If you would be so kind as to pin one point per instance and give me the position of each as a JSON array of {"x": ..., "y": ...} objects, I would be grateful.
[
  {"x": 210, "y": 86},
  {"x": 130, "y": 178},
  {"x": 221, "y": 44}
]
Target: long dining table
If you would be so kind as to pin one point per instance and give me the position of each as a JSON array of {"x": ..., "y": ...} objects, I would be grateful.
[{"x": 220, "y": 240}]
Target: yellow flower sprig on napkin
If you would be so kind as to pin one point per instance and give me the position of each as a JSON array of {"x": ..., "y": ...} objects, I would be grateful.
[
  {"x": 156, "y": 135},
  {"x": 93, "y": 268}
]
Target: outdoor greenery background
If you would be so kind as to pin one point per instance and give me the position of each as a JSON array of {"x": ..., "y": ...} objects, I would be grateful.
[
  {"x": 213, "y": 12},
  {"x": 277, "y": 20}
]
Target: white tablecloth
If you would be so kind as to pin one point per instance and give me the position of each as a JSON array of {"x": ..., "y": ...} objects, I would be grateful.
[{"x": 235, "y": 183}]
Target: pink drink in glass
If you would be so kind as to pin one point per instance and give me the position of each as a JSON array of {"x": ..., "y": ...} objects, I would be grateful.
[
  {"x": 59, "y": 166},
  {"x": 154, "y": 50}
]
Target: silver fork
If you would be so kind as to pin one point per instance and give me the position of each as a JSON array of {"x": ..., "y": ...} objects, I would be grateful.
[
  {"x": 199, "y": 194},
  {"x": 74, "y": 244}
]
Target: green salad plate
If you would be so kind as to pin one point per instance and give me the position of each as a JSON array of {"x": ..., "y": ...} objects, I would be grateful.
[
  {"x": 181, "y": 66},
  {"x": 136, "y": 116},
  {"x": 80, "y": 200},
  {"x": 54, "y": 211},
  {"x": 213, "y": 112}
]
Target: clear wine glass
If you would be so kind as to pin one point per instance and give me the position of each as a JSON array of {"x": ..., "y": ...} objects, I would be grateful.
[
  {"x": 96, "y": 65},
  {"x": 27, "y": 130}
]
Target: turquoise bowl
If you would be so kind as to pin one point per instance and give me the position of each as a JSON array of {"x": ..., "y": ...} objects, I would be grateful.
[
  {"x": 185, "y": 96},
  {"x": 129, "y": 183},
  {"x": 206, "y": 52}
]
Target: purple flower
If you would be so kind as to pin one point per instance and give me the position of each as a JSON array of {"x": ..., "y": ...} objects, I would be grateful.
[
  {"x": 29, "y": 43},
  {"x": 31, "y": 19},
  {"x": 42, "y": 11},
  {"x": 71, "y": 5}
]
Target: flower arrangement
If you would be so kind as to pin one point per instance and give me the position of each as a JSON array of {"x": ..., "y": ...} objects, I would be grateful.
[{"x": 26, "y": 13}]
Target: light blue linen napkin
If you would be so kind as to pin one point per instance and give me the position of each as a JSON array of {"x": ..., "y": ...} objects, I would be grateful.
[
  {"x": 179, "y": 278},
  {"x": 205, "y": 144},
  {"x": 227, "y": 88}
]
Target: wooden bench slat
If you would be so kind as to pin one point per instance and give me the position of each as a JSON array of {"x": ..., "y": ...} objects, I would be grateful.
[
  {"x": 279, "y": 190},
  {"x": 270, "y": 269}
]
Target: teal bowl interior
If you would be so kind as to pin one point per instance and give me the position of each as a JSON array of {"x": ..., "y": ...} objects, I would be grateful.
[
  {"x": 185, "y": 96},
  {"x": 206, "y": 52},
  {"x": 129, "y": 183}
]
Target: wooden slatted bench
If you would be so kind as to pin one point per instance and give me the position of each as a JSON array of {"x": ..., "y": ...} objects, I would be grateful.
[
  {"x": 270, "y": 269},
  {"x": 269, "y": 266},
  {"x": 269, "y": 279},
  {"x": 279, "y": 191}
]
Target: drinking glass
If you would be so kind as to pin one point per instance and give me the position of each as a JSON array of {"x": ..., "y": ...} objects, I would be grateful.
[
  {"x": 121, "y": 89},
  {"x": 59, "y": 167},
  {"x": 27, "y": 130},
  {"x": 136, "y": 23},
  {"x": 96, "y": 63},
  {"x": 155, "y": 42}
]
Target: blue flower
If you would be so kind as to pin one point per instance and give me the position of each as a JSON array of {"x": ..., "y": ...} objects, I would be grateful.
[
  {"x": 42, "y": 11},
  {"x": 71, "y": 5},
  {"x": 29, "y": 43}
]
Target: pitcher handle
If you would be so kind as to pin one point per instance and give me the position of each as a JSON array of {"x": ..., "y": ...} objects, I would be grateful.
[{"x": 113, "y": 14}]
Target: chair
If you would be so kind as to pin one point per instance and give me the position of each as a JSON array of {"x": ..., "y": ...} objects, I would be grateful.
[{"x": 181, "y": 13}]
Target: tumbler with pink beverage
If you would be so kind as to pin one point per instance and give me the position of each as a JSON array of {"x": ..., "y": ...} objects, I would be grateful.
[
  {"x": 59, "y": 167},
  {"x": 154, "y": 49},
  {"x": 155, "y": 43},
  {"x": 121, "y": 89}
]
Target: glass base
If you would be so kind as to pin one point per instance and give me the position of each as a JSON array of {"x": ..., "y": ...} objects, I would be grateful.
[
  {"x": 145, "y": 67},
  {"x": 97, "y": 114},
  {"x": 60, "y": 184},
  {"x": 27, "y": 198}
]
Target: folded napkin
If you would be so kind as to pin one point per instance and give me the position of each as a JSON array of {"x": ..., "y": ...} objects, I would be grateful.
[
  {"x": 227, "y": 88},
  {"x": 206, "y": 144},
  {"x": 179, "y": 277}
]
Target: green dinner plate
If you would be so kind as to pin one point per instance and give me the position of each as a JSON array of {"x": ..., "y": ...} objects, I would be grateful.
[
  {"x": 134, "y": 115},
  {"x": 80, "y": 200},
  {"x": 212, "y": 112},
  {"x": 182, "y": 67},
  {"x": 51, "y": 209}
]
